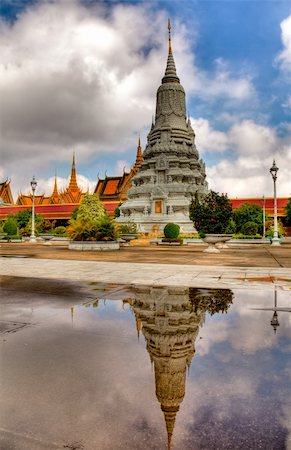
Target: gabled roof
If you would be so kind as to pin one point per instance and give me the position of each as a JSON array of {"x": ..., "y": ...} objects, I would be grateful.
[{"x": 5, "y": 193}]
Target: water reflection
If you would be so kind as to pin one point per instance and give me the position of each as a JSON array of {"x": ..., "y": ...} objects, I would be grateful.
[
  {"x": 98, "y": 380},
  {"x": 170, "y": 319}
]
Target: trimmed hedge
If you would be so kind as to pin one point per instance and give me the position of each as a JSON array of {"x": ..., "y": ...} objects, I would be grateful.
[
  {"x": 249, "y": 228},
  {"x": 171, "y": 231}
]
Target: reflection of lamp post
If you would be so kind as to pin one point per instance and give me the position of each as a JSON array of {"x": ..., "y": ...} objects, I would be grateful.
[
  {"x": 274, "y": 321},
  {"x": 264, "y": 216},
  {"x": 33, "y": 184},
  {"x": 273, "y": 171}
]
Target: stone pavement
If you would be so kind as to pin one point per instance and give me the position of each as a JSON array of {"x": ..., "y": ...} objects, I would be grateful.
[{"x": 256, "y": 267}]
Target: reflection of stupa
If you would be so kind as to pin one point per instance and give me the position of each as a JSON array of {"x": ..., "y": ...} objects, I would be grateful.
[{"x": 170, "y": 327}]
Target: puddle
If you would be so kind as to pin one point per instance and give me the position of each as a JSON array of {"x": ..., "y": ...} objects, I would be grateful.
[
  {"x": 15, "y": 256},
  {"x": 115, "y": 367}
]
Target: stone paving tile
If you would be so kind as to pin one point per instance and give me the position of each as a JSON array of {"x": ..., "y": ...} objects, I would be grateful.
[{"x": 158, "y": 274}]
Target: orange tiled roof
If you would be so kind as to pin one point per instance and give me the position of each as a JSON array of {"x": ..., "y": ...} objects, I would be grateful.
[
  {"x": 111, "y": 186},
  {"x": 5, "y": 192}
]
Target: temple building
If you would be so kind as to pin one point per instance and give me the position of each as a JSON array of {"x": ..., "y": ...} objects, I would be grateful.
[
  {"x": 59, "y": 206},
  {"x": 171, "y": 171},
  {"x": 115, "y": 188}
]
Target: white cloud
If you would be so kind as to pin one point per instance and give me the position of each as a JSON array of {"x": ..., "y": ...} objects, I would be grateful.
[
  {"x": 85, "y": 78},
  {"x": 207, "y": 138},
  {"x": 287, "y": 104},
  {"x": 121, "y": 166},
  {"x": 253, "y": 148},
  {"x": 284, "y": 58}
]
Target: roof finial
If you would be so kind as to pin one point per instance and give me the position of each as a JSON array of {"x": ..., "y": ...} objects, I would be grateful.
[
  {"x": 169, "y": 29},
  {"x": 73, "y": 186},
  {"x": 170, "y": 74}
]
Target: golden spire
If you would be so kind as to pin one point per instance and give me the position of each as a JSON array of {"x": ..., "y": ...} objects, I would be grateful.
[
  {"x": 73, "y": 180},
  {"x": 138, "y": 327},
  {"x": 138, "y": 159},
  {"x": 55, "y": 191}
]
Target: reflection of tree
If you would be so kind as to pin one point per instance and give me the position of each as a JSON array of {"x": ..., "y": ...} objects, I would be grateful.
[
  {"x": 211, "y": 300},
  {"x": 170, "y": 319}
]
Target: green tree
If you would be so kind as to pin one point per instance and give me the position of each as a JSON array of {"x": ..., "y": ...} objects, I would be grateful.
[
  {"x": 212, "y": 213},
  {"x": 91, "y": 208},
  {"x": 91, "y": 222},
  {"x": 288, "y": 211},
  {"x": 23, "y": 220},
  {"x": 10, "y": 227},
  {"x": 23, "y": 217},
  {"x": 248, "y": 213}
]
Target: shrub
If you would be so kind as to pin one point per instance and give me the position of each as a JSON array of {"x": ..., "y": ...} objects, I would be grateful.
[
  {"x": 128, "y": 228},
  {"x": 10, "y": 227},
  {"x": 249, "y": 228},
  {"x": 270, "y": 229},
  {"x": 231, "y": 227},
  {"x": 248, "y": 213},
  {"x": 212, "y": 213},
  {"x": 92, "y": 223},
  {"x": 117, "y": 211},
  {"x": 288, "y": 212},
  {"x": 246, "y": 236},
  {"x": 107, "y": 229},
  {"x": 60, "y": 231},
  {"x": 171, "y": 231}
]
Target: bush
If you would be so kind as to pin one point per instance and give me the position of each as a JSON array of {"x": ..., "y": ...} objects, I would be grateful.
[
  {"x": 248, "y": 213},
  {"x": 171, "y": 231},
  {"x": 10, "y": 227},
  {"x": 270, "y": 229},
  {"x": 212, "y": 213},
  {"x": 231, "y": 227},
  {"x": 288, "y": 212},
  {"x": 249, "y": 228},
  {"x": 92, "y": 223},
  {"x": 60, "y": 231},
  {"x": 246, "y": 236},
  {"x": 107, "y": 229},
  {"x": 128, "y": 228}
]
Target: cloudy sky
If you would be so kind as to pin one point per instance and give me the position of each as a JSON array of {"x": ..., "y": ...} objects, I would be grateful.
[{"x": 81, "y": 76}]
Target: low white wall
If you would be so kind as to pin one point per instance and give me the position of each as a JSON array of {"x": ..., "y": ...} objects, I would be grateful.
[{"x": 94, "y": 245}]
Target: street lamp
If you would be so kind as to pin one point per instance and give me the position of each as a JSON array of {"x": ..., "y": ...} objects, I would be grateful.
[
  {"x": 33, "y": 184},
  {"x": 274, "y": 321},
  {"x": 264, "y": 216},
  {"x": 273, "y": 171}
]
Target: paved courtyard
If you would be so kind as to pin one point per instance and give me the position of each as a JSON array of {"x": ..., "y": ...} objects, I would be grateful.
[{"x": 188, "y": 266}]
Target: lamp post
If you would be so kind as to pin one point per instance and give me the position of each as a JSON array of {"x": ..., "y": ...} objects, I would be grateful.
[
  {"x": 33, "y": 184},
  {"x": 273, "y": 171},
  {"x": 264, "y": 216},
  {"x": 274, "y": 321}
]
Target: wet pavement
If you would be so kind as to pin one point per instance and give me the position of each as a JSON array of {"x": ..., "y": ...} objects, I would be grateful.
[
  {"x": 145, "y": 348},
  {"x": 100, "y": 366}
]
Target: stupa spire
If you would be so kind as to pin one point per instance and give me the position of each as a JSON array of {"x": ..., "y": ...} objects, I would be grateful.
[
  {"x": 170, "y": 73},
  {"x": 170, "y": 418},
  {"x": 73, "y": 180}
]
